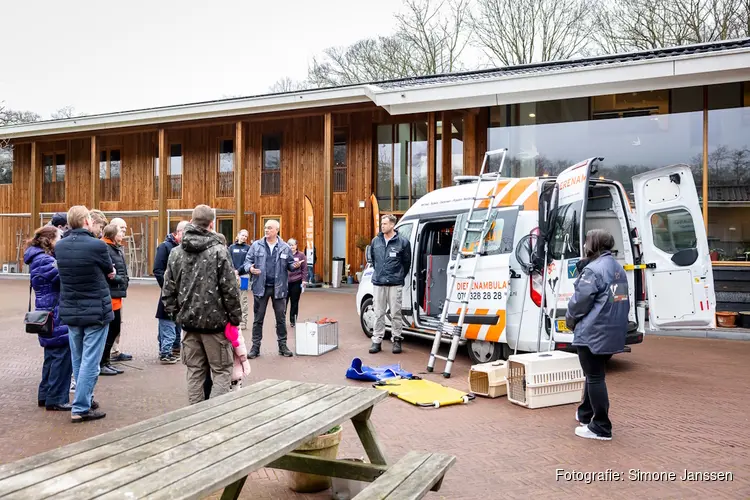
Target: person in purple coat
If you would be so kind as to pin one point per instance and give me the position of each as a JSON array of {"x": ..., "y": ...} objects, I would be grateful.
[{"x": 57, "y": 368}]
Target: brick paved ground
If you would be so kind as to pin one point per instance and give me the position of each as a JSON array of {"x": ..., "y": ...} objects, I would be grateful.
[{"x": 675, "y": 403}]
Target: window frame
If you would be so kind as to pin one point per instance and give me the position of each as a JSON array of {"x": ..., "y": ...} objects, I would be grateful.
[
  {"x": 170, "y": 190},
  {"x": 270, "y": 172},
  {"x": 54, "y": 153},
  {"x": 342, "y": 171},
  {"x": 9, "y": 149},
  {"x": 108, "y": 170},
  {"x": 217, "y": 177}
]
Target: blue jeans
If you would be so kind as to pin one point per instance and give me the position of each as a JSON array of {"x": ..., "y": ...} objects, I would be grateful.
[
  {"x": 54, "y": 388},
  {"x": 86, "y": 348},
  {"x": 169, "y": 337},
  {"x": 309, "y": 273}
]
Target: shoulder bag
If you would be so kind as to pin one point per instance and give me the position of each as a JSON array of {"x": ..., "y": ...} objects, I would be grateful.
[{"x": 39, "y": 322}]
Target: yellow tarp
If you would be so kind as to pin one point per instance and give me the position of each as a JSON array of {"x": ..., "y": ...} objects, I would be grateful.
[{"x": 423, "y": 392}]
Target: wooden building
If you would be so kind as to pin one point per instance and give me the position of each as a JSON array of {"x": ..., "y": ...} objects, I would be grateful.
[{"x": 359, "y": 150}]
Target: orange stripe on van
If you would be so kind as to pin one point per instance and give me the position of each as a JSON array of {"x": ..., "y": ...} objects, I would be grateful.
[
  {"x": 472, "y": 331},
  {"x": 512, "y": 196},
  {"x": 496, "y": 331}
]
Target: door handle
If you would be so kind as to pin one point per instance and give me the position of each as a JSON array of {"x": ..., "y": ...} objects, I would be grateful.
[{"x": 413, "y": 284}]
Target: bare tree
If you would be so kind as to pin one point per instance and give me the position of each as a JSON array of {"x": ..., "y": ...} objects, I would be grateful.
[
  {"x": 429, "y": 38},
  {"x": 515, "y": 32},
  {"x": 12, "y": 117},
  {"x": 286, "y": 84},
  {"x": 63, "y": 113},
  {"x": 435, "y": 32},
  {"x": 626, "y": 25}
]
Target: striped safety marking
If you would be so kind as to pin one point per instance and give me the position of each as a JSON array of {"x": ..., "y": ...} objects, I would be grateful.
[
  {"x": 514, "y": 192},
  {"x": 490, "y": 333}
]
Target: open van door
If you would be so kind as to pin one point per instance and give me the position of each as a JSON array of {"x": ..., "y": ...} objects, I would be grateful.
[{"x": 679, "y": 275}]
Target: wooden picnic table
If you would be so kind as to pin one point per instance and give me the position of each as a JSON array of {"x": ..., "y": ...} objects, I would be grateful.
[{"x": 197, "y": 450}]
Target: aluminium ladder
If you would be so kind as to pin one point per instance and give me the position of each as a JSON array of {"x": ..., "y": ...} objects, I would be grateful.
[{"x": 480, "y": 226}]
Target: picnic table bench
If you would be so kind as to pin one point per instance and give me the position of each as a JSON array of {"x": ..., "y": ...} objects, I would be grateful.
[{"x": 197, "y": 450}]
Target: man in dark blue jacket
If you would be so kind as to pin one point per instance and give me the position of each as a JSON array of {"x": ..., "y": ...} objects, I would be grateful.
[
  {"x": 85, "y": 306},
  {"x": 390, "y": 256},
  {"x": 238, "y": 252},
  {"x": 169, "y": 332}
]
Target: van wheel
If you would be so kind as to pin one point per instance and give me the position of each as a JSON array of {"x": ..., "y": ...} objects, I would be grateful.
[
  {"x": 481, "y": 351},
  {"x": 367, "y": 316}
]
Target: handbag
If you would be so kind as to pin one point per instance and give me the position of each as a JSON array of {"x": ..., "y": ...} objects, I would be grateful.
[{"x": 39, "y": 322}]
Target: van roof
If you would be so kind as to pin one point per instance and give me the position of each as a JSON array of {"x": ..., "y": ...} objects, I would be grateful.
[{"x": 511, "y": 191}]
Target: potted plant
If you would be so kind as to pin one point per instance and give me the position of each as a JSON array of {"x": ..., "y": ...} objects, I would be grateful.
[{"x": 325, "y": 445}]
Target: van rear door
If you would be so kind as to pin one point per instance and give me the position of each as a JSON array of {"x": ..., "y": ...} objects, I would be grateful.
[
  {"x": 679, "y": 275},
  {"x": 566, "y": 241}
]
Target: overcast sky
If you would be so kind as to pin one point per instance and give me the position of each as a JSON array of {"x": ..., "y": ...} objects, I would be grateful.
[{"x": 101, "y": 56}]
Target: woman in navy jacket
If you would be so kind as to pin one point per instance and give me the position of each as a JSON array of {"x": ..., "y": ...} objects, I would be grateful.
[{"x": 45, "y": 280}]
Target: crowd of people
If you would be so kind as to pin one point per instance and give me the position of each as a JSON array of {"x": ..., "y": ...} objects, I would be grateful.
[{"x": 79, "y": 272}]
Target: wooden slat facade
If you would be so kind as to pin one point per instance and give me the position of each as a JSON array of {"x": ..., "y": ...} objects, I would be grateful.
[{"x": 302, "y": 158}]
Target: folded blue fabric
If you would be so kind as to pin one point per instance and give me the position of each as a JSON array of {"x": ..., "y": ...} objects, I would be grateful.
[{"x": 357, "y": 371}]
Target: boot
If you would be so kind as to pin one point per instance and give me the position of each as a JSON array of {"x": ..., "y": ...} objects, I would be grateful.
[
  {"x": 284, "y": 351},
  {"x": 375, "y": 348},
  {"x": 254, "y": 352},
  {"x": 397, "y": 347}
]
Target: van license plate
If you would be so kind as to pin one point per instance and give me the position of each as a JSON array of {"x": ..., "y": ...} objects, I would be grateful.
[{"x": 561, "y": 326}]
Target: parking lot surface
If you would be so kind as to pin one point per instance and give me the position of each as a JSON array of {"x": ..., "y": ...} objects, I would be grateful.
[{"x": 676, "y": 404}]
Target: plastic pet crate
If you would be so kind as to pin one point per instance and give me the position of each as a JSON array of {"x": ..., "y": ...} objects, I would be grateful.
[
  {"x": 541, "y": 379},
  {"x": 314, "y": 339},
  {"x": 488, "y": 379}
]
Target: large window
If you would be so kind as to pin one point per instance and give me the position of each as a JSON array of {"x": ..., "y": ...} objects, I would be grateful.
[
  {"x": 340, "y": 139},
  {"x": 401, "y": 165},
  {"x": 53, "y": 178},
  {"x": 6, "y": 163},
  {"x": 729, "y": 172},
  {"x": 110, "y": 173},
  {"x": 225, "y": 172},
  {"x": 634, "y": 133},
  {"x": 174, "y": 189},
  {"x": 270, "y": 175}
]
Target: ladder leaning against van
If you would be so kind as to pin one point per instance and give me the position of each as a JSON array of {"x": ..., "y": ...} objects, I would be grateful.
[{"x": 481, "y": 226}]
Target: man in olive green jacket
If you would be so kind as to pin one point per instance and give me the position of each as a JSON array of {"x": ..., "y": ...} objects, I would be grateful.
[{"x": 201, "y": 292}]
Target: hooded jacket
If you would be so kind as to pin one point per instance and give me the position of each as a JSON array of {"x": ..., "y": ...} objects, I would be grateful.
[
  {"x": 45, "y": 280},
  {"x": 598, "y": 311},
  {"x": 200, "y": 289}
]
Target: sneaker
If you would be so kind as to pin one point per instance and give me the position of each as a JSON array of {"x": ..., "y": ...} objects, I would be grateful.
[
  {"x": 108, "y": 370},
  {"x": 375, "y": 348},
  {"x": 584, "y": 432},
  {"x": 284, "y": 351},
  {"x": 115, "y": 369},
  {"x": 121, "y": 357},
  {"x": 72, "y": 384},
  {"x": 396, "y": 347},
  {"x": 168, "y": 360},
  {"x": 176, "y": 352},
  {"x": 62, "y": 407},
  {"x": 578, "y": 420},
  {"x": 89, "y": 415}
]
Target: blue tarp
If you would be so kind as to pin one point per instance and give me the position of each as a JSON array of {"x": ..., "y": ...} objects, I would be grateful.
[{"x": 375, "y": 373}]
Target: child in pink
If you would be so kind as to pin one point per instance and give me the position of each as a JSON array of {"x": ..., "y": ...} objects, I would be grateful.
[{"x": 241, "y": 364}]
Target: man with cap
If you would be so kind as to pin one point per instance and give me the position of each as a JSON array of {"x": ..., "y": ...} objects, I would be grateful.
[{"x": 60, "y": 221}]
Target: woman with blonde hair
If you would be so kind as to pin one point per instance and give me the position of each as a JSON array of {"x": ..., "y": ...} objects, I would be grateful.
[{"x": 57, "y": 369}]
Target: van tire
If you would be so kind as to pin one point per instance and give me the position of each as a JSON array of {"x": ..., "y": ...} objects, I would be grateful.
[
  {"x": 486, "y": 352},
  {"x": 366, "y": 306}
]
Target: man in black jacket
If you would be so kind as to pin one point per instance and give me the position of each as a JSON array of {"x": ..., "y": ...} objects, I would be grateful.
[
  {"x": 169, "y": 332},
  {"x": 85, "y": 306},
  {"x": 238, "y": 252},
  {"x": 201, "y": 293},
  {"x": 390, "y": 255}
]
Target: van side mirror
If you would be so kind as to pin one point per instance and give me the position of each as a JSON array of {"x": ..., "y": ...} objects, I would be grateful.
[{"x": 368, "y": 254}]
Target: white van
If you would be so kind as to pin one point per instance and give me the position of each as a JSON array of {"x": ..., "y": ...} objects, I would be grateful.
[{"x": 663, "y": 242}]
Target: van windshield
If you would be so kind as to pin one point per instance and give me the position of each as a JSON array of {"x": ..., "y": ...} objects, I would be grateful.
[
  {"x": 498, "y": 238},
  {"x": 567, "y": 223}
]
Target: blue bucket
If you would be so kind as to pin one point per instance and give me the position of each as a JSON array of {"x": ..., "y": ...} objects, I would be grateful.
[{"x": 244, "y": 282}]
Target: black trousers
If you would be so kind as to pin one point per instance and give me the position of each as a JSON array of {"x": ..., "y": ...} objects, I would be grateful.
[
  {"x": 260, "y": 304},
  {"x": 114, "y": 331},
  {"x": 594, "y": 410},
  {"x": 295, "y": 291}
]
